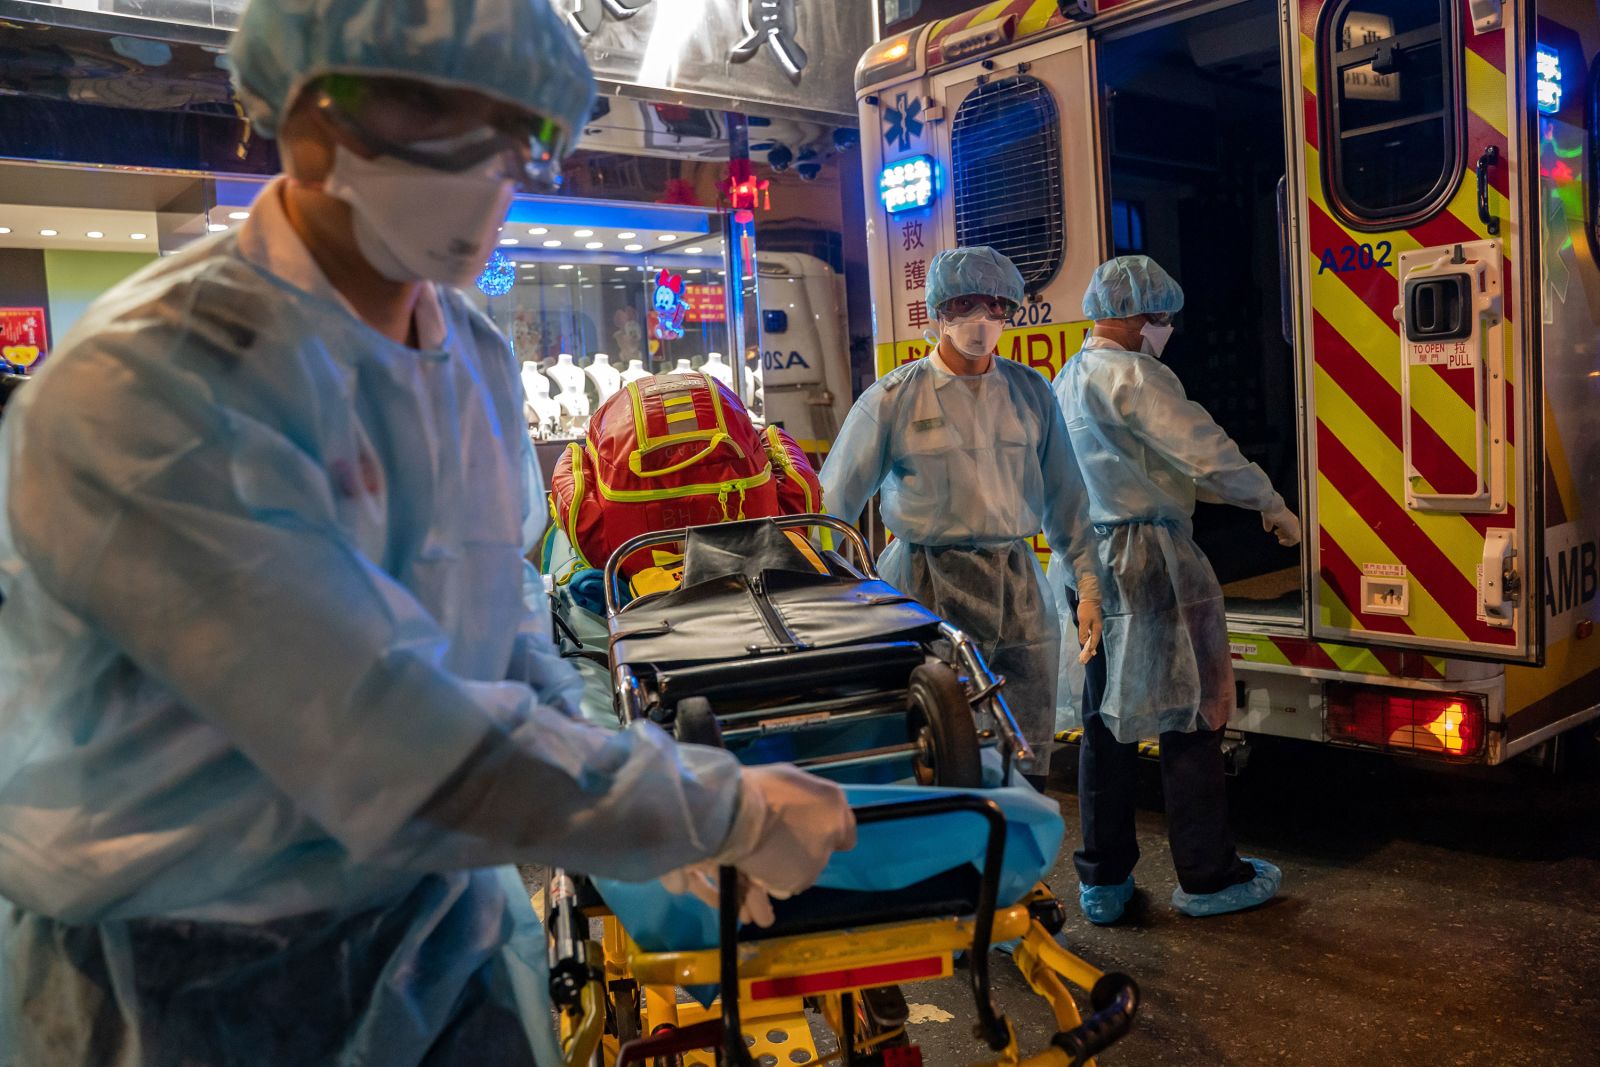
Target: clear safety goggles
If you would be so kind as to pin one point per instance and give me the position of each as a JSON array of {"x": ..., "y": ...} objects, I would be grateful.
[
  {"x": 384, "y": 116},
  {"x": 969, "y": 308}
]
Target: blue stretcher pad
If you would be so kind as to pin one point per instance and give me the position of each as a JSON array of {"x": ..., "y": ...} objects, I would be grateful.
[{"x": 888, "y": 856}]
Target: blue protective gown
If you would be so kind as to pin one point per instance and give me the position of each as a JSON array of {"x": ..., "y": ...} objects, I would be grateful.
[
  {"x": 272, "y": 703},
  {"x": 1145, "y": 449},
  {"x": 969, "y": 468}
]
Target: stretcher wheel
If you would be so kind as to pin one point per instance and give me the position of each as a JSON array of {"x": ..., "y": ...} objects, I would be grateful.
[
  {"x": 696, "y": 724},
  {"x": 939, "y": 720}
]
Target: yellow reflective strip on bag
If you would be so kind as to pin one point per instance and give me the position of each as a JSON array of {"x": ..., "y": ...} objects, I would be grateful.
[{"x": 642, "y": 496}]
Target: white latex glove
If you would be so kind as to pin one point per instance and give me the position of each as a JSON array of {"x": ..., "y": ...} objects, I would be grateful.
[
  {"x": 789, "y": 823},
  {"x": 1282, "y": 523},
  {"x": 701, "y": 882},
  {"x": 1091, "y": 620}
]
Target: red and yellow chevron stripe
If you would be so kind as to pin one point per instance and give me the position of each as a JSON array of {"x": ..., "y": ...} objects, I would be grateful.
[
  {"x": 1328, "y": 656},
  {"x": 1033, "y": 16},
  {"x": 1364, "y": 522}
]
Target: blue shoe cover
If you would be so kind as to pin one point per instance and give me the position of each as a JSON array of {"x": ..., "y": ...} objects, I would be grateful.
[
  {"x": 1260, "y": 889},
  {"x": 1104, "y": 904}
]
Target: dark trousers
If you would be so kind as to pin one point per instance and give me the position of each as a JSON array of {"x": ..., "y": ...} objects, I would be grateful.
[{"x": 1193, "y": 781}]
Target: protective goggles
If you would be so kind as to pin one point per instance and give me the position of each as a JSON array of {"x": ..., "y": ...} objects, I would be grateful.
[
  {"x": 966, "y": 308},
  {"x": 384, "y": 115}
]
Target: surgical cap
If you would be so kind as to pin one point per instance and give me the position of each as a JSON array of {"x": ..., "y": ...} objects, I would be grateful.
[
  {"x": 518, "y": 51},
  {"x": 977, "y": 271},
  {"x": 1131, "y": 285}
]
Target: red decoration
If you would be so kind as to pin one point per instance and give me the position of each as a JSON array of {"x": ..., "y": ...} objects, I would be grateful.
[
  {"x": 707, "y": 303},
  {"x": 23, "y": 341},
  {"x": 680, "y": 191},
  {"x": 744, "y": 191}
]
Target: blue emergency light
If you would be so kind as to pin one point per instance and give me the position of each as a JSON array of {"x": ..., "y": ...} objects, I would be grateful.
[
  {"x": 907, "y": 184},
  {"x": 1548, "y": 84}
]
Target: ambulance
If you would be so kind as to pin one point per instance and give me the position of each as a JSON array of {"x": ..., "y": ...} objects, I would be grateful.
[
  {"x": 805, "y": 349},
  {"x": 1385, "y": 215}
]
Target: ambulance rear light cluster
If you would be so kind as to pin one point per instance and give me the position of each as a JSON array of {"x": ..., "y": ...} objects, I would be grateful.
[{"x": 1450, "y": 725}]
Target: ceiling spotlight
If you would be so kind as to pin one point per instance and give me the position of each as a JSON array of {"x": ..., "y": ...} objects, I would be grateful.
[
  {"x": 693, "y": 270},
  {"x": 667, "y": 237},
  {"x": 5, "y": 229},
  {"x": 695, "y": 250},
  {"x": 583, "y": 233},
  {"x": 509, "y": 241},
  {"x": 96, "y": 234},
  {"x": 552, "y": 244},
  {"x": 592, "y": 245},
  {"x": 633, "y": 248},
  {"x": 565, "y": 266},
  {"x": 627, "y": 236},
  {"x": 238, "y": 216},
  {"x": 620, "y": 269},
  {"x": 138, "y": 236},
  {"x": 47, "y": 233},
  {"x": 217, "y": 227},
  {"x": 538, "y": 231}
]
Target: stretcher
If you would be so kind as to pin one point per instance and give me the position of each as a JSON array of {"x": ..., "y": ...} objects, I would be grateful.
[{"x": 778, "y": 650}]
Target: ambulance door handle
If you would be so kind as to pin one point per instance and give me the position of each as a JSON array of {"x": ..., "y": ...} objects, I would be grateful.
[
  {"x": 1485, "y": 161},
  {"x": 1498, "y": 582},
  {"x": 1285, "y": 312}
]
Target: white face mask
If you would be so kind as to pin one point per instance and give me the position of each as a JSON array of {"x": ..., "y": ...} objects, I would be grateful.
[
  {"x": 1154, "y": 338},
  {"x": 975, "y": 338},
  {"x": 417, "y": 224}
]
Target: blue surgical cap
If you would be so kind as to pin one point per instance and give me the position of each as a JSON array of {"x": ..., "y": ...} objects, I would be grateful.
[
  {"x": 1131, "y": 285},
  {"x": 977, "y": 271},
  {"x": 519, "y": 51}
]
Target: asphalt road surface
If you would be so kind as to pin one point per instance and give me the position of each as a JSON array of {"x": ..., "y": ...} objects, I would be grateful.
[{"x": 1427, "y": 918}]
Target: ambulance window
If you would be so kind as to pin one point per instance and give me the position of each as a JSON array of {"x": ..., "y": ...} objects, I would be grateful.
[
  {"x": 1005, "y": 150},
  {"x": 1391, "y": 109},
  {"x": 1127, "y": 227}
]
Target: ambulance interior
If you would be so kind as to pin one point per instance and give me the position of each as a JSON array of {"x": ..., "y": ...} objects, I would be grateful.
[{"x": 1195, "y": 136}]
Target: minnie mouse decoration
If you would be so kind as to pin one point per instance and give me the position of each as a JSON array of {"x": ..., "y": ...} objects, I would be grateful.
[{"x": 669, "y": 307}]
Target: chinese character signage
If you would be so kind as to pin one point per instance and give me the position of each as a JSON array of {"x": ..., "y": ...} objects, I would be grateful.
[
  {"x": 749, "y": 53},
  {"x": 706, "y": 303},
  {"x": 23, "y": 341}
]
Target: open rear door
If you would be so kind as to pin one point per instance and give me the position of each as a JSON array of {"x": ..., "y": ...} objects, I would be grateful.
[
  {"x": 1423, "y": 383},
  {"x": 1020, "y": 133}
]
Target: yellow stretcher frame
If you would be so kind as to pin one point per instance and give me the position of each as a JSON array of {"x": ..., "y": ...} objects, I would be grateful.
[{"x": 777, "y": 977}]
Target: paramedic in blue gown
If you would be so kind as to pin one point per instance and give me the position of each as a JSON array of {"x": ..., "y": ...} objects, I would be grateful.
[
  {"x": 972, "y": 460},
  {"x": 1164, "y": 669},
  {"x": 274, "y": 711}
]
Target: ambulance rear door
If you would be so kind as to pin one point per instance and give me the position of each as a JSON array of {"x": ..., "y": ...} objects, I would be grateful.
[
  {"x": 1017, "y": 129},
  {"x": 1417, "y": 306}
]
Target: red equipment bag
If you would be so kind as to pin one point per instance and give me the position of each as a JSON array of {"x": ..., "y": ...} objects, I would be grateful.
[{"x": 668, "y": 451}]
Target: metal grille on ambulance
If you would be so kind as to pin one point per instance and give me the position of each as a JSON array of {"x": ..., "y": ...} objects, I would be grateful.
[{"x": 1005, "y": 144}]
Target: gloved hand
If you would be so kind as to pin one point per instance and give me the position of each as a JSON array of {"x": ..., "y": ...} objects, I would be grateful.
[
  {"x": 1091, "y": 620},
  {"x": 1282, "y": 523},
  {"x": 701, "y": 882},
  {"x": 788, "y": 824}
]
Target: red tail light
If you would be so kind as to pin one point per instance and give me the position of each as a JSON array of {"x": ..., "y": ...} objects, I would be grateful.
[{"x": 1442, "y": 724}]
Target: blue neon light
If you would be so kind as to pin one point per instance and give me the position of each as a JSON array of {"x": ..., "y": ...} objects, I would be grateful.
[
  {"x": 1548, "y": 85},
  {"x": 908, "y": 184}
]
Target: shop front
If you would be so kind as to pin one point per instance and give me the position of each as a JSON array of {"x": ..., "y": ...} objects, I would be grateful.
[{"x": 121, "y": 142}]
